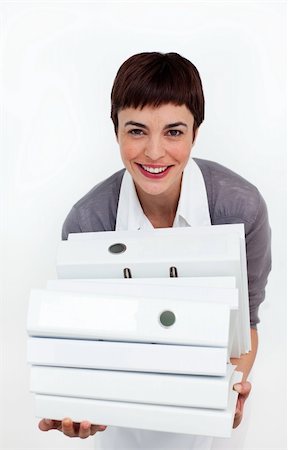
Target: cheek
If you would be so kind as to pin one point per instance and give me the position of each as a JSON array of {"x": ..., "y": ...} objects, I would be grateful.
[
  {"x": 127, "y": 153},
  {"x": 130, "y": 150},
  {"x": 181, "y": 152}
]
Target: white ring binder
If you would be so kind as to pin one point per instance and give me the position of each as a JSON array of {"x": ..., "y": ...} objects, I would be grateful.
[{"x": 149, "y": 353}]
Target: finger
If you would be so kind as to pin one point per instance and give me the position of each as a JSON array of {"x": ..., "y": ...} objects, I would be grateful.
[
  {"x": 237, "y": 387},
  {"x": 49, "y": 424},
  {"x": 246, "y": 389},
  {"x": 95, "y": 428},
  {"x": 237, "y": 419},
  {"x": 237, "y": 405},
  {"x": 68, "y": 427},
  {"x": 240, "y": 406},
  {"x": 243, "y": 388},
  {"x": 45, "y": 424},
  {"x": 238, "y": 414},
  {"x": 239, "y": 411},
  {"x": 84, "y": 430}
]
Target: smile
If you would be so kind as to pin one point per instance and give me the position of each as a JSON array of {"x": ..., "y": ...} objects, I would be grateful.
[
  {"x": 154, "y": 169},
  {"x": 154, "y": 172}
]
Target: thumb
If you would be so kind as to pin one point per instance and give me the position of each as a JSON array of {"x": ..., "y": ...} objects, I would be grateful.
[{"x": 243, "y": 388}]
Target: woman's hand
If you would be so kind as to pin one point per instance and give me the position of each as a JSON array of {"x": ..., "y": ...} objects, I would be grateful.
[
  {"x": 70, "y": 428},
  {"x": 243, "y": 389}
]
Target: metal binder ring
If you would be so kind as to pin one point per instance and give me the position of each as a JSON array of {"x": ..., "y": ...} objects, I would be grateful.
[{"x": 173, "y": 272}]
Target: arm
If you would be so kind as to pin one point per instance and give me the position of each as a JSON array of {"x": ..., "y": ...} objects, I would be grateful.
[
  {"x": 244, "y": 364},
  {"x": 258, "y": 251}
]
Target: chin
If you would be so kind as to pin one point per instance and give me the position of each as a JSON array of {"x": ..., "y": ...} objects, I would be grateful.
[{"x": 151, "y": 191}]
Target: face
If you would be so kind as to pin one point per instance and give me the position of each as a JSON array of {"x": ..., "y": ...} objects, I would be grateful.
[{"x": 155, "y": 145}]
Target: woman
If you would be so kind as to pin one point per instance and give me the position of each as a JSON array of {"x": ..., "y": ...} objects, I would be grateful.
[{"x": 157, "y": 107}]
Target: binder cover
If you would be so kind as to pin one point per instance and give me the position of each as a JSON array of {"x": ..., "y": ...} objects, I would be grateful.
[
  {"x": 127, "y": 356},
  {"x": 123, "y": 288},
  {"x": 199, "y": 231},
  {"x": 90, "y": 284},
  {"x": 131, "y": 319},
  {"x": 135, "y": 387},
  {"x": 201, "y": 421},
  {"x": 150, "y": 255},
  {"x": 216, "y": 289}
]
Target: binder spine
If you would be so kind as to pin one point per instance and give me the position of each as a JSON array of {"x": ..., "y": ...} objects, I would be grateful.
[
  {"x": 158, "y": 358},
  {"x": 161, "y": 389},
  {"x": 129, "y": 319}
]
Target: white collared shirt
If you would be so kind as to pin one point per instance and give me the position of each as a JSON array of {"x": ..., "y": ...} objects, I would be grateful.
[{"x": 193, "y": 209}]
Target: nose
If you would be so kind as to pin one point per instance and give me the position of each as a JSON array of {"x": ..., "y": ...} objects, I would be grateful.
[{"x": 154, "y": 148}]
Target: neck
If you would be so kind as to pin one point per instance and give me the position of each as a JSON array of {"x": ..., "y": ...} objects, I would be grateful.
[{"x": 160, "y": 209}]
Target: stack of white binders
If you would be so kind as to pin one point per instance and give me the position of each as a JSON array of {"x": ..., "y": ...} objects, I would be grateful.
[{"x": 139, "y": 329}]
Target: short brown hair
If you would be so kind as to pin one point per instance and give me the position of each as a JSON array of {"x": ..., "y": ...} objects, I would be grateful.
[{"x": 154, "y": 79}]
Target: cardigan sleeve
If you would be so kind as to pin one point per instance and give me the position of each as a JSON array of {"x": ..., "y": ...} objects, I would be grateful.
[
  {"x": 258, "y": 250},
  {"x": 71, "y": 224}
]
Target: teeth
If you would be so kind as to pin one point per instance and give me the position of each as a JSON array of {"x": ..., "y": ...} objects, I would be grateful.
[{"x": 154, "y": 169}]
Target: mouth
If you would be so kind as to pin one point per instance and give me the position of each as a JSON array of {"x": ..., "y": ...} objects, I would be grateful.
[{"x": 155, "y": 171}]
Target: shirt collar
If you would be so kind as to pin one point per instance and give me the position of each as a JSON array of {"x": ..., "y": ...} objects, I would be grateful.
[
  {"x": 130, "y": 215},
  {"x": 193, "y": 208}
]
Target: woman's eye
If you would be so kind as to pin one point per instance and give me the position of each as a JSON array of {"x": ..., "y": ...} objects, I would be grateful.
[
  {"x": 136, "y": 132},
  {"x": 174, "y": 133}
]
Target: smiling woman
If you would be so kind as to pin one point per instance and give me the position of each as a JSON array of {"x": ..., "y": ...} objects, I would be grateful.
[
  {"x": 157, "y": 107},
  {"x": 155, "y": 145}
]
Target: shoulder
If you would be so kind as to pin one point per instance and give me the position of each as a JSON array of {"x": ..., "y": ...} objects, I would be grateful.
[
  {"x": 97, "y": 210},
  {"x": 231, "y": 198},
  {"x": 105, "y": 191}
]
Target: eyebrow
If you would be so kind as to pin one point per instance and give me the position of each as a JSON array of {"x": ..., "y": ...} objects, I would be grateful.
[
  {"x": 135, "y": 124},
  {"x": 169, "y": 125},
  {"x": 176, "y": 124}
]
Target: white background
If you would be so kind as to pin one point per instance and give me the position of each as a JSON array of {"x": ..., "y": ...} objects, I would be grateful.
[{"x": 58, "y": 63}]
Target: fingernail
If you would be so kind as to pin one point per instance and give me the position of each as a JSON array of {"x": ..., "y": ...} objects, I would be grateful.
[
  {"x": 66, "y": 422},
  {"x": 237, "y": 388},
  {"x": 86, "y": 425},
  {"x": 102, "y": 427},
  {"x": 48, "y": 421}
]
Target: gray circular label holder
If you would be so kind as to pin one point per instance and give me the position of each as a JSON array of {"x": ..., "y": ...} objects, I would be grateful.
[
  {"x": 117, "y": 248},
  {"x": 167, "y": 319}
]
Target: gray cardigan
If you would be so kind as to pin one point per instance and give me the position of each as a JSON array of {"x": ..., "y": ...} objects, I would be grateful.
[{"x": 231, "y": 199}]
